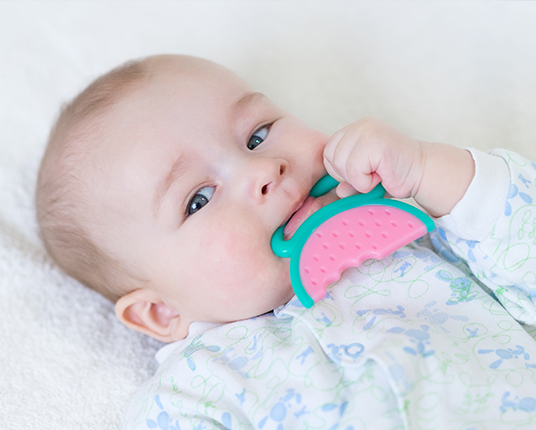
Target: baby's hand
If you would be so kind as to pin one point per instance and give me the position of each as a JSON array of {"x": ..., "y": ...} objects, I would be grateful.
[{"x": 370, "y": 151}]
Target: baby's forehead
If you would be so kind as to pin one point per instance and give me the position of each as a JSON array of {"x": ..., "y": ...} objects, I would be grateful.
[
  {"x": 177, "y": 95},
  {"x": 187, "y": 72},
  {"x": 180, "y": 99}
]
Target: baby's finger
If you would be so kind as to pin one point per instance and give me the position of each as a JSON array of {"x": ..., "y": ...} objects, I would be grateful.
[
  {"x": 331, "y": 171},
  {"x": 344, "y": 189},
  {"x": 329, "y": 153},
  {"x": 356, "y": 163},
  {"x": 338, "y": 151},
  {"x": 361, "y": 169}
]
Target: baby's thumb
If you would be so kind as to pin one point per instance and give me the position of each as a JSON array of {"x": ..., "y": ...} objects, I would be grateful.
[{"x": 344, "y": 189}]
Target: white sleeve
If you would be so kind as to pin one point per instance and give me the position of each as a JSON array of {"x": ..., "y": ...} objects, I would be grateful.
[
  {"x": 492, "y": 230},
  {"x": 477, "y": 212}
]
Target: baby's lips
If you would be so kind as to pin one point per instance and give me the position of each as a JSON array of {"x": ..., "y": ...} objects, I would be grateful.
[
  {"x": 309, "y": 207},
  {"x": 298, "y": 218}
]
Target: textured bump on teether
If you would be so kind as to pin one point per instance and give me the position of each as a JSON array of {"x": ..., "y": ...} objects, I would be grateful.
[{"x": 351, "y": 237}]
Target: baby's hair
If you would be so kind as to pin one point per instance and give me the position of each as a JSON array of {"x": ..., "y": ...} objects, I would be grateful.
[{"x": 66, "y": 220}]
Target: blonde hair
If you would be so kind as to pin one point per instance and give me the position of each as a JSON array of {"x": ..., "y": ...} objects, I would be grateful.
[{"x": 64, "y": 214}]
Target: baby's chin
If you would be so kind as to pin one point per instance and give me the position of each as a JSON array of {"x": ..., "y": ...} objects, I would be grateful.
[{"x": 310, "y": 206}]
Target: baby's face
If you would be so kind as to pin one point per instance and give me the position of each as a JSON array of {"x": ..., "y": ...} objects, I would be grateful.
[{"x": 201, "y": 173}]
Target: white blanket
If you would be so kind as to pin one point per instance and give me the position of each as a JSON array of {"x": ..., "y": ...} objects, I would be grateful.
[{"x": 462, "y": 73}]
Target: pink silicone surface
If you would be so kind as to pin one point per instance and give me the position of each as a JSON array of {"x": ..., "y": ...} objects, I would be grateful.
[{"x": 351, "y": 237}]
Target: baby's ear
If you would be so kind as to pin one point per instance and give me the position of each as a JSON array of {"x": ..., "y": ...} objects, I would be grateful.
[{"x": 144, "y": 311}]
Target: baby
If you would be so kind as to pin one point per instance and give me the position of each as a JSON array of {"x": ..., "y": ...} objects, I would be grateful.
[{"x": 161, "y": 187}]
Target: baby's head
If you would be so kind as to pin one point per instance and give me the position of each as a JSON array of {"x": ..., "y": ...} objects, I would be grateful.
[{"x": 161, "y": 187}]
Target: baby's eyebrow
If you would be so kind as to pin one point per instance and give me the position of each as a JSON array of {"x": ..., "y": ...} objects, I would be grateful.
[
  {"x": 175, "y": 173},
  {"x": 246, "y": 100}
]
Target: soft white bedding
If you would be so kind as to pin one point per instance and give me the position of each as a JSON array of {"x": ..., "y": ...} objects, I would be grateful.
[{"x": 461, "y": 72}]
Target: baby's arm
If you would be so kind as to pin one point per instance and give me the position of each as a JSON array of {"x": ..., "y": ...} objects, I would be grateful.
[{"x": 368, "y": 151}]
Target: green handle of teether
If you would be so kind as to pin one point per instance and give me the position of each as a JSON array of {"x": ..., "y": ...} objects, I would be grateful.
[{"x": 323, "y": 185}]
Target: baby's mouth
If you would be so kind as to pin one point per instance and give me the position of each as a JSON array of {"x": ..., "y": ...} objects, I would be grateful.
[{"x": 309, "y": 207}]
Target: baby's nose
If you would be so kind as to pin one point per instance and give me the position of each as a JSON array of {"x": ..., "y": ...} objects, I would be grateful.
[{"x": 266, "y": 174}]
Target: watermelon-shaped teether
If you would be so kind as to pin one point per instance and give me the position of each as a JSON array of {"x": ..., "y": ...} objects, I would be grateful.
[{"x": 343, "y": 234}]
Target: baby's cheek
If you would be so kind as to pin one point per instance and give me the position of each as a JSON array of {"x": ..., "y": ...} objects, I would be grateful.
[
  {"x": 241, "y": 245},
  {"x": 234, "y": 251}
]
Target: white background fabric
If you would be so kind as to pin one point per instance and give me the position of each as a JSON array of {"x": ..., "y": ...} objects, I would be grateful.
[{"x": 456, "y": 72}]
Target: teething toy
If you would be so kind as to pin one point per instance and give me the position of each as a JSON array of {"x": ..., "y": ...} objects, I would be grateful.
[{"x": 343, "y": 234}]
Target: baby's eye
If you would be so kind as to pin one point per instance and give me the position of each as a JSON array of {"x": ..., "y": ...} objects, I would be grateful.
[
  {"x": 258, "y": 137},
  {"x": 201, "y": 198}
]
